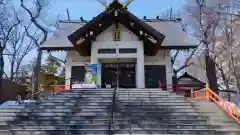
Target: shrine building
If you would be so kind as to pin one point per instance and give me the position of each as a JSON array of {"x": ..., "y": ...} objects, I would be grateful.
[{"x": 135, "y": 52}]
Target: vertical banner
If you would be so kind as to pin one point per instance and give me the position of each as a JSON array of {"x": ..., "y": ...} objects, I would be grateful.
[
  {"x": 90, "y": 78},
  {"x": 91, "y": 74}
]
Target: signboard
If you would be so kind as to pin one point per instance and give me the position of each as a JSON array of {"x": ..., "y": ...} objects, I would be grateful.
[
  {"x": 90, "y": 78},
  {"x": 116, "y": 35}
]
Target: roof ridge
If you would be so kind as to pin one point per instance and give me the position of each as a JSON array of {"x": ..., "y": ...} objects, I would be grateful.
[{"x": 145, "y": 20}]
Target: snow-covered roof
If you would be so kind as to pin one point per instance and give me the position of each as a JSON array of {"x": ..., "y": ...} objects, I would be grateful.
[
  {"x": 174, "y": 34},
  {"x": 59, "y": 39}
]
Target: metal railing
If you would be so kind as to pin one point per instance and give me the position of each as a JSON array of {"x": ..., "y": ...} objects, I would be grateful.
[
  {"x": 112, "y": 110},
  {"x": 226, "y": 106},
  {"x": 35, "y": 95}
]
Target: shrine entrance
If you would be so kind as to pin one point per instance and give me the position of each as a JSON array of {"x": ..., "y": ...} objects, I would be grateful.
[{"x": 118, "y": 74}]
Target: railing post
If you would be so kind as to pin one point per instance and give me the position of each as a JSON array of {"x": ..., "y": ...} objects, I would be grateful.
[
  {"x": 207, "y": 94},
  {"x": 191, "y": 94}
]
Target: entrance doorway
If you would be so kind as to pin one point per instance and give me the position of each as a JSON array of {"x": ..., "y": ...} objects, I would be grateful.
[
  {"x": 154, "y": 74},
  {"x": 123, "y": 72}
]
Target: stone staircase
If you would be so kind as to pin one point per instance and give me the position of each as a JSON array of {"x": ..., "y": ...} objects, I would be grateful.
[
  {"x": 68, "y": 113},
  {"x": 217, "y": 117},
  {"x": 151, "y": 111},
  {"x": 136, "y": 111}
]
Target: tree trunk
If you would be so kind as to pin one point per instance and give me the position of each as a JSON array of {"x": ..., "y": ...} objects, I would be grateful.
[
  {"x": 211, "y": 73},
  {"x": 229, "y": 96},
  {"x": 37, "y": 72},
  {"x": 1, "y": 66}
]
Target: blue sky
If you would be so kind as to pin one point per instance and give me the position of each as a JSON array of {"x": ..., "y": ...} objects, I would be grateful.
[{"x": 90, "y": 8}]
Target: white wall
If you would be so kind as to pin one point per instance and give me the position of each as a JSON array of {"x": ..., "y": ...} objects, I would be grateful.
[{"x": 128, "y": 40}]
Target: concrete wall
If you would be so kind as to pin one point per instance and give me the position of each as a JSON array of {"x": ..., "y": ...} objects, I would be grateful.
[
  {"x": 10, "y": 90},
  {"x": 128, "y": 40}
]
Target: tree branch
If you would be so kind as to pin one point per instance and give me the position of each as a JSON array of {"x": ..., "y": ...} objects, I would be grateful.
[
  {"x": 10, "y": 29},
  {"x": 186, "y": 63},
  {"x": 34, "y": 20},
  {"x": 175, "y": 56}
]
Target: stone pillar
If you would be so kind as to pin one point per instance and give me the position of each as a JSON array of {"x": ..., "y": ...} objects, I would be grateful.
[
  {"x": 169, "y": 70},
  {"x": 94, "y": 60},
  {"x": 140, "y": 73},
  {"x": 94, "y": 57},
  {"x": 68, "y": 72}
]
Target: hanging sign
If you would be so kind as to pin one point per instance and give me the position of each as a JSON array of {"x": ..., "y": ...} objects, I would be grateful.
[{"x": 116, "y": 35}]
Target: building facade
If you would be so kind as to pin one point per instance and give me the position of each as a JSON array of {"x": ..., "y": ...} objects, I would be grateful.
[{"x": 129, "y": 52}]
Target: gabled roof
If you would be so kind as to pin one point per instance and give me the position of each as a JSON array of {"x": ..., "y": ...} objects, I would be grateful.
[
  {"x": 186, "y": 75},
  {"x": 180, "y": 40},
  {"x": 115, "y": 13}
]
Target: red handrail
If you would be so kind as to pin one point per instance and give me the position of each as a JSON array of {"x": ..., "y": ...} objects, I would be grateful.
[
  {"x": 226, "y": 106},
  {"x": 60, "y": 88}
]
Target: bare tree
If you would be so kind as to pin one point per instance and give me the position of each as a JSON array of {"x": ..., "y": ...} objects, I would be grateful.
[
  {"x": 227, "y": 58},
  {"x": 35, "y": 19},
  {"x": 178, "y": 64},
  {"x": 203, "y": 17},
  {"x": 8, "y": 21},
  {"x": 18, "y": 48}
]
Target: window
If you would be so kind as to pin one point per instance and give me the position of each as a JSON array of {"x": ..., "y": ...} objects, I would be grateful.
[
  {"x": 106, "y": 50},
  {"x": 128, "y": 50}
]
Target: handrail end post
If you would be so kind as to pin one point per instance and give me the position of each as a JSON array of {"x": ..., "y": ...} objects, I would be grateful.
[{"x": 207, "y": 94}]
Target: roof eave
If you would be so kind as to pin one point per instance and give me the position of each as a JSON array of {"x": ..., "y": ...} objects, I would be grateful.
[
  {"x": 177, "y": 47},
  {"x": 74, "y": 36},
  {"x": 56, "y": 48}
]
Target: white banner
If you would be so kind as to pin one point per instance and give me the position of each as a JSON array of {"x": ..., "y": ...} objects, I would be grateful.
[{"x": 83, "y": 85}]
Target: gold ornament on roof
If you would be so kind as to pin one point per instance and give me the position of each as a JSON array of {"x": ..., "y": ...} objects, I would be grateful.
[{"x": 106, "y": 4}]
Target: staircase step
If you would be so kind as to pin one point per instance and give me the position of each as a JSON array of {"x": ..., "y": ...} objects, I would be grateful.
[
  {"x": 40, "y": 114},
  {"x": 139, "y": 106},
  {"x": 74, "y": 102},
  {"x": 64, "y": 118},
  {"x": 152, "y": 98},
  {"x": 152, "y": 104},
  {"x": 55, "y": 132},
  {"x": 89, "y": 91},
  {"x": 82, "y": 96},
  {"x": 116, "y": 121},
  {"x": 156, "y": 101},
  {"x": 61, "y": 126},
  {"x": 151, "y": 131},
  {"x": 85, "y": 105},
  {"x": 97, "y": 112},
  {"x": 113, "y": 126}
]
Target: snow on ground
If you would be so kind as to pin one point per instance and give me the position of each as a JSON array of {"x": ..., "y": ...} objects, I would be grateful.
[{"x": 16, "y": 104}]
